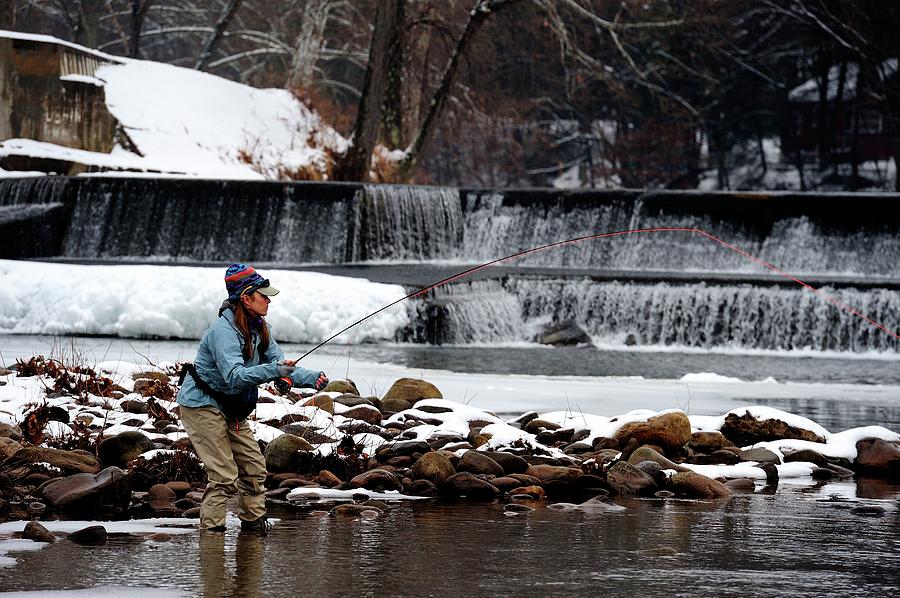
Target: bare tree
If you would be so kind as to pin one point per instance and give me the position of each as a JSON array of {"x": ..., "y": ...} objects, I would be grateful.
[
  {"x": 216, "y": 36},
  {"x": 139, "y": 10}
]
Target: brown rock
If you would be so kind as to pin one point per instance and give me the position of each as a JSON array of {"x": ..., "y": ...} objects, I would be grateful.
[
  {"x": 342, "y": 386},
  {"x": 412, "y": 390},
  {"x": 37, "y": 532},
  {"x": 694, "y": 485},
  {"x": 378, "y": 480},
  {"x": 10, "y": 431},
  {"x": 69, "y": 462},
  {"x": 466, "y": 484},
  {"x": 434, "y": 467},
  {"x": 94, "y": 535},
  {"x": 327, "y": 479},
  {"x": 746, "y": 430},
  {"x": 707, "y": 442},
  {"x": 282, "y": 453},
  {"x": 627, "y": 480},
  {"x": 742, "y": 485},
  {"x": 670, "y": 431},
  {"x": 535, "y": 492},
  {"x": 179, "y": 488},
  {"x": 107, "y": 493},
  {"x": 161, "y": 498},
  {"x": 760, "y": 455},
  {"x": 394, "y": 405},
  {"x": 8, "y": 447},
  {"x": 479, "y": 463},
  {"x": 365, "y": 413},
  {"x": 421, "y": 488},
  {"x": 645, "y": 453},
  {"x": 878, "y": 457},
  {"x": 537, "y": 426},
  {"x": 554, "y": 477}
]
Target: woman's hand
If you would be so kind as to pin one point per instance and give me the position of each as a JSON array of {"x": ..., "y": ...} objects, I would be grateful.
[
  {"x": 321, "y": 381},
  {"x": 289, "y": 362}
]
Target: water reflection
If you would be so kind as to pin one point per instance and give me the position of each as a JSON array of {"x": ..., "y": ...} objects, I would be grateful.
[{"x": 220, "y": 577}]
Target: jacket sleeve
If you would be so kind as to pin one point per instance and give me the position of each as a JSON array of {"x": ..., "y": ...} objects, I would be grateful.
[
  {"x": 226, "y": 349},
  {"x": 305, "y": 378}
]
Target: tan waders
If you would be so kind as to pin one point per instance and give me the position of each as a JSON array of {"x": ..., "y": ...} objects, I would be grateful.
[{"x": 233, "y": 462}]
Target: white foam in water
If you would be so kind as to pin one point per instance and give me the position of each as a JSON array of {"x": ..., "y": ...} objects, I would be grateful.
[{"x": 181, "y": 302}]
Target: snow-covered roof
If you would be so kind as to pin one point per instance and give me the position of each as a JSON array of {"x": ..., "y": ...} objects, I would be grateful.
[
  {"x": 809, "y": 91},
  {"x": 185, "y": 122}
]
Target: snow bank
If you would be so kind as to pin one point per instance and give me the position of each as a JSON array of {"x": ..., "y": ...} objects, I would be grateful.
[{"x": 181, "y": 302}]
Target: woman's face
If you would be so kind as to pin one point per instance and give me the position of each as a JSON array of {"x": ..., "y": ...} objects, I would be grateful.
[{"x": 256, "y": 303}]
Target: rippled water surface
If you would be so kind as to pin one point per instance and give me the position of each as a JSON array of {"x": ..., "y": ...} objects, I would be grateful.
[{"x": 800, "y": 541}]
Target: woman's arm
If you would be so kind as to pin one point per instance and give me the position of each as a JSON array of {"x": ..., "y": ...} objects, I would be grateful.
[
  {"x": 226, "y": 349},
  {"x": 300, "y": 376}
]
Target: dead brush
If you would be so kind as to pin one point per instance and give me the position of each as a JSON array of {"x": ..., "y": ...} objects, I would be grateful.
[
  {"x": 179, "y": 465},
  {"x": 68, "y": 380}
]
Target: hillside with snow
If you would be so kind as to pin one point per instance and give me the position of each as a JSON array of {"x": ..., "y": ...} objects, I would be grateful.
[{"x": 179, "y": 121}]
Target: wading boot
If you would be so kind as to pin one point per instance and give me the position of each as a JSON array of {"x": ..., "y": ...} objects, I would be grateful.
[{"x": 260, "y": 526}]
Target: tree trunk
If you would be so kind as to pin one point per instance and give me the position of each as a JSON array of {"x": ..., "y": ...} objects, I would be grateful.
[
  {"x": 392, "y": 110},
  {"x": 139, "y": 10},
  {"x": 482, "y": 10},
  {"x": 88, "y": 30},
  {"x": 309, "y": 44},
  {"x": 7, "y": 14},
  {"x": 355, "y": 164},
  {"x": 216, "y": 36}
]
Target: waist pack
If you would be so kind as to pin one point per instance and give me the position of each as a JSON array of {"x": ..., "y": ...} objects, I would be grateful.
[{"x": 236, "y": 407}]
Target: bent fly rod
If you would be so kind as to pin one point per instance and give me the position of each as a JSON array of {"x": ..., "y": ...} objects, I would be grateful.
[{"x": 833, "y": 300}]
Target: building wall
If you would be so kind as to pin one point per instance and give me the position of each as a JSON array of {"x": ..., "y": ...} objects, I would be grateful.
[{"x": 36, "y": 104}]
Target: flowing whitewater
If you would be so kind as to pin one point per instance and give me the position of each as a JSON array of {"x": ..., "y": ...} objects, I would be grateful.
[{"x": 667, "y": 288}]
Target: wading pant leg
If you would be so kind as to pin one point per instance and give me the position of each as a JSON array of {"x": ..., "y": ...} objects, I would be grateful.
[
  {"x": 251, "y": 471},
  {"x": 208, "y": 431}
]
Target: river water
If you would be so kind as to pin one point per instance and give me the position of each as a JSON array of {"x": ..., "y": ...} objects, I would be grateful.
[{"x": 800, "y": 541}]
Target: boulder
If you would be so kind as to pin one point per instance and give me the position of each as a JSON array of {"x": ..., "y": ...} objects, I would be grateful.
[
  {"x": 378, "y": 480},
  {"x": 393, "y": 405},
  {"x": 565, "y": 333},
  {"x": 37, "y": 532},
  {"x": 121, "y": 449},
  {"x": 365, "y": 413},
  {"x": 536, "y": 426},
  {"x": 412, "y": 390},
  {"x": 310, "y": 434},
  {"x": 509, "y": 462},
  {"x": 707, "y": 442},
  {"x": 627, "y": 480},
  {"x": 746, "y": 430},
  {"x": 352, "y": 510},
  {"x": 69, "y": 462},
  {"x": 693, "y": 485},
  {"x": 180, "y": 488},
  {"x": 326, "y": 479},
  {"x": 161, "y": 497},
  {"x": 600, "y": 504},
  {"x": 554, "y": 478},
  {"x": 150, "y": 375},
  {"x": 421, "y": 488},
  {"x": 760, "y": 455},
  {"x": 10, "y": 431},
  {"x": 645, "y": 453},
  {"x": 434, "y": 467},
  {"x": 806, "y": 456},
  {"x": 282, "y": 453},
  {"x": 878, "y": 457},
  {"x": 670, "y": 431},
  {"x": 323, "y": 402},
  {"x": 742, "y": 485},
  {"x": 94, "y": 535},
  {"x": 343, "y": 386},
  {"x": 479, "y": 463},
  {"x": 106, "y": 494},
  {"x": 8, "y": 447},
  {"x": 532, "y": 492},
  {"x": 466, "y": 484}
]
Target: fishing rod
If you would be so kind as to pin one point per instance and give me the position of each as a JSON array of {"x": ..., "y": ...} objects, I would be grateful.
[{"x": 674, "y": 229}]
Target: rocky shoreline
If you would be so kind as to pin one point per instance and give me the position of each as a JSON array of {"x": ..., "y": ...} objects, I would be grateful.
[{"x": 105, "y": 443}]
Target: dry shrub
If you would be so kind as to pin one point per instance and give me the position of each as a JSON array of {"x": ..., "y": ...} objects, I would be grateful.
[
  {"x": 68, "y": 380},
  {"x": 167, "y": 467}
]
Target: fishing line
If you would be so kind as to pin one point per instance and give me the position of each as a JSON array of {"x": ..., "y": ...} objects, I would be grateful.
[{"x": 674, "y": 229}]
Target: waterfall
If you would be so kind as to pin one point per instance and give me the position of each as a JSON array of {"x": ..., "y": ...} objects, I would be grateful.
[
  {"x": 401, "y": 222},
  {"x": 702, "y": 315}
]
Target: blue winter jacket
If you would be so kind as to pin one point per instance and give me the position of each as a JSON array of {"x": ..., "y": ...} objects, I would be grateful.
[{"x": 221, "y": 364}]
